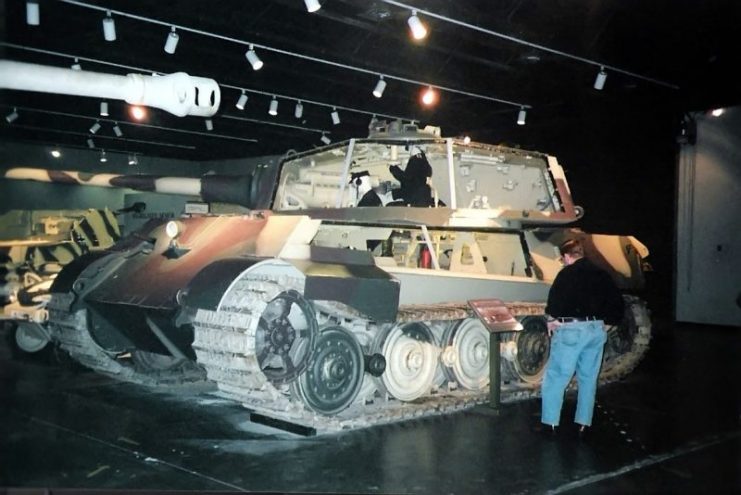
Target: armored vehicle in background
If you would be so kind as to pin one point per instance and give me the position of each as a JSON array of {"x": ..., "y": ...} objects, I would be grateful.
[
  {"x": 346, "y": 302},
  {"x": 34, "y": 246}
]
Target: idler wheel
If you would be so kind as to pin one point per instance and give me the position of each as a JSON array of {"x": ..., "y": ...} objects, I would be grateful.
[
  {"x": 468, "y": 363},
  {"x": 333, "y": 379},
  {"x": 411, "y": 360},
  {"x": 285, "y": 337}
]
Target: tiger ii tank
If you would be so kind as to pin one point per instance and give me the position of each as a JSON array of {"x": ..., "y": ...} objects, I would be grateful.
[{"x": 345, "y": 302}]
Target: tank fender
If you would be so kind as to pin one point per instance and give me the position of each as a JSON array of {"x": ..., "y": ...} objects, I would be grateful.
[
  {"x": 350, "y": 277},
  {"x": 206, "y": 289}
]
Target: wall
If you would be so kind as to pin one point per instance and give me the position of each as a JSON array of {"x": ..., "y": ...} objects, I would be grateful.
[{"x": 708, "y": 251}]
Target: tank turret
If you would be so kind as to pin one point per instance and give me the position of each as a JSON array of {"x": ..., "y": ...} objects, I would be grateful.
[{"x": 347, "y": 302}]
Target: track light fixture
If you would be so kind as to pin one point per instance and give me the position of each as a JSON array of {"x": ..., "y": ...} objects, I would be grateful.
[
  {"x": 599, "y": 81},
  {"x": 241, "y": 101},
  {"x": 117, "y": 130},
  {"x": 171, "y": 43},
  {"x": 209, "y": 125},
  {"x": 104, "y": 109},
  {"x": 299, "y": 110},
  {"x": 253, "y": 58},
  {"x": 521, "y": 115},
  {"x": 312, "y": 5},
  {"x": 76, "y": 65},
  {"x": 103, "y": 158},
  {"x": 273, "y": 110},
  {"x": 90, "y": 143},
  {"x": 55, "y": 153},
  {"x": 325, "y": 139},
  {"x": 419, "y": 31},
  {"x": 109, "y": 27},
  {"x": 429, "y": 97},
  {"x": 380, "y": 87},
  {"x": 12, "y": 116},
  {"x": 133, "y": 160},
  {"x": 335, "y": 116},
  {"x": 32, "y": 13},
  {"x": 466, "y": 139},
  {"x": 95, "y": 127}
]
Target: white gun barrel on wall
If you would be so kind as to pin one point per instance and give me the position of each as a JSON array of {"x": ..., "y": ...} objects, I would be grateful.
[{"x": 178, "y": 93}]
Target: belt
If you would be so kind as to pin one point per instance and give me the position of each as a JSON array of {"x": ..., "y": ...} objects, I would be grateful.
[{"x": 570, "y": 319}]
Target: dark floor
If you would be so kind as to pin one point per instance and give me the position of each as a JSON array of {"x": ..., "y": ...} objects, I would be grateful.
[{"x": 673, "y": 426}]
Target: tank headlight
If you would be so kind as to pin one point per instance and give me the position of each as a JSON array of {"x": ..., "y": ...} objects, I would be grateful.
[{"x": 173, "y": 229}]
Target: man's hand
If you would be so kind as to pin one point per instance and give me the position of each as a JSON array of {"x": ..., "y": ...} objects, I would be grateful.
[{"x": 553, "y": 326}]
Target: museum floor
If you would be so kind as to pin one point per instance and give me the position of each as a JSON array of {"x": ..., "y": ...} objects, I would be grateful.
[{"x": 672, "y": 426}]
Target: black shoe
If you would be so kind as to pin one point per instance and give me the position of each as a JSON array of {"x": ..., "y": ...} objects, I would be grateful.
[{"x": 548, "y": 431}]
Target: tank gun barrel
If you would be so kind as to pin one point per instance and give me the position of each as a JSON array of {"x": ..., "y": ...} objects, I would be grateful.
[
  {"x": 236, "y": 189},
  {"x": 178, "y": 93}
]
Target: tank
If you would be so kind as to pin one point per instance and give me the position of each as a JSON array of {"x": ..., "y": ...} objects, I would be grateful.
[
  {"x": 346, "y": 302},
  {"x": 34, "y": 246}
]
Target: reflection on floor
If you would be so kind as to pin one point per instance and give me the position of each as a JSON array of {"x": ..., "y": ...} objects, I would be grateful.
[{"x": 673, "y": 426}]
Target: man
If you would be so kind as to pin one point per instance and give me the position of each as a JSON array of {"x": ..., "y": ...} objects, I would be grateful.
[{"x": 581, "y": 300}]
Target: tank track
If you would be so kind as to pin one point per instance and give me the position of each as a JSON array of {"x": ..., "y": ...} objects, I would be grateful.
[
  {"x": 224, "y": 344},
  {"x": 69, "y": 331}
]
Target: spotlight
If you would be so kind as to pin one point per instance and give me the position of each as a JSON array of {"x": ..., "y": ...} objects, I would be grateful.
[
  {"x": 109, "y": 27},
  {"x": 521, "y": 116},
  {"x": 273, "y": 107},
  {"x": 717, "y": 112},
  {"x": 312, "y": 5},
  {"x": 242, "y": 101},
  {"x": 32, "y": 13},
  {"x": 90, "y": 143},
  {"x": 55, "y": 153},
  {"x": 117, "y": 130},
  {"x": 325, "y": 139},
  {"x": 467, "y": 140},
  {"x": 137, "y": 112},
  {"x": 599, "y": 81},
  {"x": 419, "y": 31},
  {"x": 76, "y": 65},
  {"x": 380, "y": 87},
  {"x": 12, "y": 116},
  {"x": 171, "y": 43},
  {"x": 429, "y": 97},
  {"x": 299, "y": 110},
  {"x": 209, "y": 125},
  {"x": 133, "y": 160},
  {"x": 103, "y": 158},
  {"x": 104, "y": 109},
  {"x": 335, "y": 116},
  {"x": 95, "y": 127},
  {"x": 253, "y": 58}
]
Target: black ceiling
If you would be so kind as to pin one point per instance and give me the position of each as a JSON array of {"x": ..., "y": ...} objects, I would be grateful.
[{"x": 667, "y": 44}]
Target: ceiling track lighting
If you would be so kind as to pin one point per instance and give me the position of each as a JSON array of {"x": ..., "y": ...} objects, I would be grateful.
[
  {"x": 171, "y": 43},
  {"x": 521, "y": 115},
  {"x": 109, "y": 27},
  {"x": 95, "y": 127},
  {"x": 599, "y": 81},
  {"x": 312, "y": 5},
  {"x": 429, "y": 97},
  {"x": 12, "y": 116},
  {"x": 33, "y": 17},
  {"x": 419, "y": 31},
  {"x": 335, "y": 116},
  {"x": 103, "y": 157},
  {"x": 117, "y": 130},
  {"x": 55, "y": 153},
  {"x": 324, "y": 139},
  {"x": 90, "y": 143},
  {"x": 299, "y": 110},
  {"x": 273, "y": 110},
  {"x": 380, "y": 87},
  {"x": 104, "y": 109},
  {"x": 76, "y": 65},
  {"x": 209, "y": 125},
  {"x": 133, "y": 160},
  {"x": 241, "y": 101},
  {"x": 253, "y": 59}
]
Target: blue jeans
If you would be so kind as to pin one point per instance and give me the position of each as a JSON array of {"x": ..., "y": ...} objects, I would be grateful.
[{"x": 575, "y": 348}]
